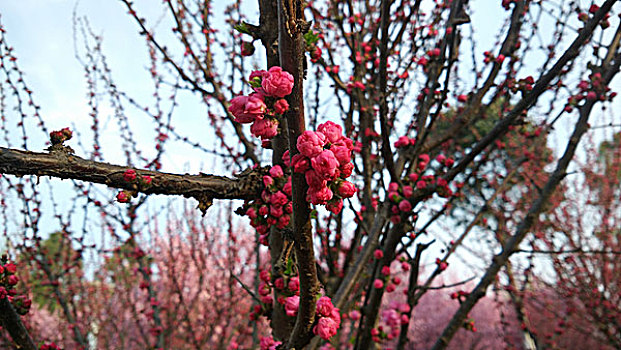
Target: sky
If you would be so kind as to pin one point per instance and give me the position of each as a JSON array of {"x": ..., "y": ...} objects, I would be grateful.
[{"x": 42, "y": 33}]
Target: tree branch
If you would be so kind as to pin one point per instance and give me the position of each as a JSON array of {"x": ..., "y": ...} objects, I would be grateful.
[
  {"x": 61, "y": 164},
  {"x": 512, "y": 244},
  {"x": 10, "y": 320}
]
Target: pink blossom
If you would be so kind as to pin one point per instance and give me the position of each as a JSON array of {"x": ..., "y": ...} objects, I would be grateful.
[
  {"x": 268, "y": 343},
  {"x": 325, "y": 164},
  {"x": 263, "y": 210},
  {"x": 405, "y": 206},
  {"x": 13, "y": 280},
  {"x": 344, "y": 142},
  {"x": 264, "y": 289},
  {"x": 378, "y": 283},
  {"x": 277, "y": 82},
  {"x": 10, "y": 268},
  {"x": 294, "y": 284},
  {"x": 286, "y": 158},
  {"x": 346, "y": 170},
  {"x": 332, "y": 131},
  {"x": 247, "y": 109},
  {"x": 264, "y": 275},
  {"x": 354, "y": 315},
  {"x": 291, "y": 305},
  {"x": 122, "y": 197},
  {"x": 283, "y": 221},
  {"x": 267, "y": 299},
  {"x": 346, "y": 189},
  {"x": 276, "y": 211},
  {"x": 267, "y": 181},
  {"x": 279, "y": 283},
  {"x": 405, "y": 319},
  {"x": 257, "y": 74},
  {"x": 287, "y": 187},
  {"x": 276, "y": 172},
  {"x": 335, "y": 206},
  {"x": 279, "y": 199},
  {"x": 265, "y": 128},
  {"x": 314, "y": 180},
  {"x": 378, "y": 254},
  {"x": 146, "y": 179},
  {"x": 129, "y": 175},
  {"x": 408, "y": 191},
  {"x": 402, "y": 141},
  {"x": 326, "y": 328},
  {"x": 320, "y": 196},
  {"x": 342, "y": 154},
  {"x": 324, "y": 306},
  {"x": 251, "y": 213},
  {"x": 441, "y": 182},
  {"x": 300, "y": 163},
  {"x": 281, "y": 106},
  {"x": 311, "y": 143}
]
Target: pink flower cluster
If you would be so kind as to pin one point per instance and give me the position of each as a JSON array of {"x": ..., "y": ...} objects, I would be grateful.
[
  {"x": 593, "y": 89},
  {"x": 285, "y": 286},
  {"x": 329, "y": 319},
  {"x": 390, "y": 321},
  {"x": 404, "y": 141},
  {"x": 325, "y": 160},
  {"x": 261, "y": 108},
  {"x": 274, "y": 206},
  {"x": 401, "y": 196},
  {"x": 268, "y": 343},
  {"x": 8, "y": 280}
]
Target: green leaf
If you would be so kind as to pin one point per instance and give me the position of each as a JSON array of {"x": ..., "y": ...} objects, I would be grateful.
[
  {"x": 311, "y": 38},
  {"x": 313, "y": 214},
  {"x": 242, "y": 28},
  {"x": 289, "y": 268},
  {"x": 255, "y": 82}
]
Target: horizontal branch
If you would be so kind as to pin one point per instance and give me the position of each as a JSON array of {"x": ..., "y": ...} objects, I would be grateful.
[{"x": 60, "y": 163}]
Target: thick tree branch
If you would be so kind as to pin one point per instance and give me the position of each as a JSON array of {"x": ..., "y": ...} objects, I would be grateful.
[
  {"x": 61, "y": 164},
  {"x": 10, "y": 320},
  {"x": 291, "y": 46}
]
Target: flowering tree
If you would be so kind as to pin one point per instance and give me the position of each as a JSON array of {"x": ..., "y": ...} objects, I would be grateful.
[{"x": 392, "y": 134}]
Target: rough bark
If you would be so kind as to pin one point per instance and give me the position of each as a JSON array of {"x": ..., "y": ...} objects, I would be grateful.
[
  {"x": 10, "y": 320},
  {"x": 291, "y": 46},
  {"x": 60, "y": 163}
]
